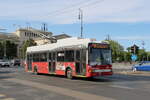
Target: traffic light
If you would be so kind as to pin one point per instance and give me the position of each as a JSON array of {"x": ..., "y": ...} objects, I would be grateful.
[
  {"x": 137, "y": 50},
  {"x": 134, "y": 49}
]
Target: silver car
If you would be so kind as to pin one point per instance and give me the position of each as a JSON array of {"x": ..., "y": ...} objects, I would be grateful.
[{"x": 4, "y": 63}]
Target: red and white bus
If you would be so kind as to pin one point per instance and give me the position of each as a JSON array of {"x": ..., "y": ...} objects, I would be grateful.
[{"x": 72, "y": 57}]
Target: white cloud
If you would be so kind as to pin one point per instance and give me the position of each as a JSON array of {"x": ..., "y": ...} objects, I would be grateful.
[{"x": 106, "y": 11}]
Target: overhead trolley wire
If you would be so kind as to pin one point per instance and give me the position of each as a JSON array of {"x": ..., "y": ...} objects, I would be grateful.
[{"x": 74, "y": 7}]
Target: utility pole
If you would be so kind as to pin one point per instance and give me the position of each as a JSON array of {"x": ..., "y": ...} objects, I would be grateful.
[
  {"x": 4, "y": 49},
  {"x": 44, "y": 27},
  {"x": 143, "y": 43},
  {"x": 81, "y": 19},
  {"x": 108, "y": 37}
]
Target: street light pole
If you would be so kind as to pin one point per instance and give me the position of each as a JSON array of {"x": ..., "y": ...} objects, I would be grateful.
[
  {"x": 81, "y": 18},
  {"x": 4, "y": 48}
]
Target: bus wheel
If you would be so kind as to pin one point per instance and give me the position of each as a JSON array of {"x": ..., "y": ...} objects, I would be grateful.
[
  {"x": 69, "y": 74},
  {"x": 35, "y": 71}
]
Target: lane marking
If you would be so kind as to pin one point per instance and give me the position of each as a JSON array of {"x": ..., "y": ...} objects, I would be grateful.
[
  {"x": 2, "y": 95},
  {"x": 8, "y": 99},
  {"x": 122, "y": 87},
  {"x": 72, "y": 93}
]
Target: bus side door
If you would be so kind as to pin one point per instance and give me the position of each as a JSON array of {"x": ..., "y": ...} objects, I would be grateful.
[
  {"x": 80, "y": 62},
  {"x": 52, "y": 61}
]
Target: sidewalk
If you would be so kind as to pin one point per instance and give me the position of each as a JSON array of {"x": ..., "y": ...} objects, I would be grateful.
[
  {"x": 126, "y": 69},
  {"x": 137, "y": 73}
]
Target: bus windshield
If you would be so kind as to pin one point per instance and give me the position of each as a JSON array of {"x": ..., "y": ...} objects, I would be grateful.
[{"x": 100, "y": 56}]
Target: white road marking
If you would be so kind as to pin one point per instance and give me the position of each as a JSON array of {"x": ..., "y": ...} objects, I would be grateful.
[
  {"x": 72, "y": 93},
  {"x": 122, "y": 87},
  {"x": 8, "y": 99},
  {"x": 2, "y": 95}
]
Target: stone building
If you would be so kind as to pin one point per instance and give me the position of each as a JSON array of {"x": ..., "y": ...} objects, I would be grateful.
[{"x": 23, "y": 34}]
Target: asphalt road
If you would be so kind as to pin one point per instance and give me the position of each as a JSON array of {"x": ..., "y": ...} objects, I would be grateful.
[{"x": 15, "y": 84}]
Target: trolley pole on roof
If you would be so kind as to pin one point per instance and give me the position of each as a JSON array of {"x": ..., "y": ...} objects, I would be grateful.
[{"x": 81, "y": 19}]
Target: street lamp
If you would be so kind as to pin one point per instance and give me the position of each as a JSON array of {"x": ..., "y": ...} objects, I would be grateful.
[{"x": 81, "y": 18}]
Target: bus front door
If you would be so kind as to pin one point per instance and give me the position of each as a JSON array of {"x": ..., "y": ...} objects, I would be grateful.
[{"x": 52, "y": 62}]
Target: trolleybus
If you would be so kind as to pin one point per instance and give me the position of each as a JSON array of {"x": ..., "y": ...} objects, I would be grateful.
[{"x": 72, "y": 57}]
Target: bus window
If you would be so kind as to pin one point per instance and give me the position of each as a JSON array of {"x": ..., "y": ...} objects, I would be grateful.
[
  {"x": 54, "y": 56},
  {"x": 83, "y": 56},
  {"x": 69, "y": 56},
  {"x": 43, "y": 57},
  {"x": 77, "y": 55},
  {"x": 60, "y": 56},
  {"x": 50, "y": 56},
  {"x": 36, "y": 57}
]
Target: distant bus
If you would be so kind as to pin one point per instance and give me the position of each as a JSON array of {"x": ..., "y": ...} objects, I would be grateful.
[{"x": 72, "y": 57}]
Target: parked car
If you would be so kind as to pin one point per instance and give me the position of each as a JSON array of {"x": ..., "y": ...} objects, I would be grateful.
[
  {"x": 4, "y": 63},
  {"x": 15, "y": 62},
  {"x": 142, "y": 66}
]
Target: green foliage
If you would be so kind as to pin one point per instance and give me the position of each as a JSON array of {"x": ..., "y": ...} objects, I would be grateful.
[
  {"x": 1, "y": 50},
  {"x": 26, "y": 44},
  {"x": 120, "y": 55},
  {"x": 10, "y": 47},
  {"x": 117, "y": 51},
  {"x": 142, "y": 55}
]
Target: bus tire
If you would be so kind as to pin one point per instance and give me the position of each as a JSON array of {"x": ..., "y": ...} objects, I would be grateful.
[
  {"x": 35, "y": 71},
  {"x": 69, "y": 73}
]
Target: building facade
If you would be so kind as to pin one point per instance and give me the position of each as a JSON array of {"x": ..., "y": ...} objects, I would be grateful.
[{"x": 23, "y": 34}]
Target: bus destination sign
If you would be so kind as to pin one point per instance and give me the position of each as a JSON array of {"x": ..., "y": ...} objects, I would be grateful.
[{"x": 102, "y": 46}]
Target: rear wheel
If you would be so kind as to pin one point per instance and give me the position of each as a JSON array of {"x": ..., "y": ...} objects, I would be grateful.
[{"x": 69, "y": 74}]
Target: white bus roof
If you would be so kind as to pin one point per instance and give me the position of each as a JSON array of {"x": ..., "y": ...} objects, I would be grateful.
[{"x": 69, "y": 43}]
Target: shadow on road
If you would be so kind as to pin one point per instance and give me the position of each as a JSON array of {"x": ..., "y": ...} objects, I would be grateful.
[
  {"x": 102, "y": 79},
  {"x": 5, "y": 72},
  {"x": 107, "y": 79},
  {"x": 4, "y": 77}
]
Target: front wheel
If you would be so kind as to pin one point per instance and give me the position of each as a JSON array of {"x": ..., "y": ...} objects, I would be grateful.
[{"x": 69, "y": 74}]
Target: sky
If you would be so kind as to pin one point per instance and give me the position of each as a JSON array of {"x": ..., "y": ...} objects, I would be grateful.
[{"x": 126, "y": 21}]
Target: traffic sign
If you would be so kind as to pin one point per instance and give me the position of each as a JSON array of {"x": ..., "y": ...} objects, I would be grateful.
[{"x": 134, "y": 57}]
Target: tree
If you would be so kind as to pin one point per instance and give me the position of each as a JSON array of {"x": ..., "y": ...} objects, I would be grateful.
[
  {"x": 10, "y": 49},
  {"x": 1, "y": 50},
  {"x": 26, "y": 44},
  {"x": 142, "y": 56},
  {"x": 117, "y": 51}
]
